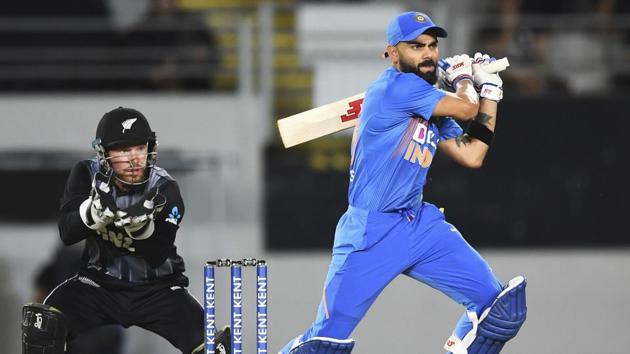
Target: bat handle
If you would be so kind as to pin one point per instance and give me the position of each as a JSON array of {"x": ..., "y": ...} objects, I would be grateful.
[{"x": 497, "y": 65}]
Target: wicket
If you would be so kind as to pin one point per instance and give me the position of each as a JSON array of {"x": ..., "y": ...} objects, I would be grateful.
[{"x": 236, "y": 303}]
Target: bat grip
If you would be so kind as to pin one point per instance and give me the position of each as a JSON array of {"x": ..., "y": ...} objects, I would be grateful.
[{"x": 497, "y": 66}]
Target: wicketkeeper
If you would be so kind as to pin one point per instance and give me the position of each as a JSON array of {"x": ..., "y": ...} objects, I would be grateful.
[{"x": 128, "y": 210}]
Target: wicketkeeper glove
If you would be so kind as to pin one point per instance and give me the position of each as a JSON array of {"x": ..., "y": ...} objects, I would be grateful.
[
  {"x": 489, "y": 85},
  {"x": 99, "y": 209},
  {"x": 137, "y": 220},
  {"x": 453, "y": 70}
]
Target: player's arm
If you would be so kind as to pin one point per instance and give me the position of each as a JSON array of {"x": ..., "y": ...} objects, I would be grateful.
[
  {"x": 72, "y": 229},
  {"x": 463, "y": 104},
  {"x": 470, "y": 149},
  {"x": 156, "y": 247},
  {"x": 168, "y": 218},
  {"x": 456, "y": 76}
]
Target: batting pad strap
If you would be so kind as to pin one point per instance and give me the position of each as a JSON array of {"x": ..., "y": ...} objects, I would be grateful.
[
  {"x": 470, "y": 336},
  {"x": 454, "y": 345},
  {"x": 480, "y": 132},
  {"x": 459, "y": 346}
]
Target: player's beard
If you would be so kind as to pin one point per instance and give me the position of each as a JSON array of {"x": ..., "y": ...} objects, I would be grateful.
[
  {"x": 130, "y": 171},
  {"x": 429, "y": 76}
]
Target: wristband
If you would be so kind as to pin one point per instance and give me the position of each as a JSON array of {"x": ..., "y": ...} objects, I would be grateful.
[{"x": 480, "y": 132}]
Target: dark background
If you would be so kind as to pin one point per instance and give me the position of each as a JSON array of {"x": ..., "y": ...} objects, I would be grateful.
[
  {"x": 555, "y": 176},
  {"x": 34, "y": 181}
]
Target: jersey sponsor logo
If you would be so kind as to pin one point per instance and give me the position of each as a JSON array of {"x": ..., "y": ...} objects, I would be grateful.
[
  {"x": 418, "y": 151},
  {"x": 424, "y": 135},
  {"x": 418, "y": 154},
  {"x": 117, "y": 239},
  {"x": 128, "y": 123},
  {"x": 174, "y": 216}
]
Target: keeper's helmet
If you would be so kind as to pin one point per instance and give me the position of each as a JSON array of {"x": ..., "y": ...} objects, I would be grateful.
[{"x": 124, "y": 127}]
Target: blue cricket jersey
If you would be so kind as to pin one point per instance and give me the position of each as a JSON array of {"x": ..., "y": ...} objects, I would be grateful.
[{"x": 396, "y": 142}]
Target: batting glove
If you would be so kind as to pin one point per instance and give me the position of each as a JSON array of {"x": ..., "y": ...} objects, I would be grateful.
[
  {"x": 137, "y": 220},
  {"x": 99, "y": 210},
  {"x": 453, "y": 70},
  {"x": 441, "y": 81},
  {"x": 489, "y": 85}
]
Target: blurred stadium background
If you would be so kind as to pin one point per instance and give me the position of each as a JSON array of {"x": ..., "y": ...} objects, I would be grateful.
[{"x": 213, "y": 76}]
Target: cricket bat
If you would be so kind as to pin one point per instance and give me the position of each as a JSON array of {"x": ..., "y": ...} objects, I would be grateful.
[{"x": 337, "y": 116}]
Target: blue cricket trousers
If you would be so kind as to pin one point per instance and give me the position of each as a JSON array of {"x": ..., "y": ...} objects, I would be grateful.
[{"x": 372, "y": 248}]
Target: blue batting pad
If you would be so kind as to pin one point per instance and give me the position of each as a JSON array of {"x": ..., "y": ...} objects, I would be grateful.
[{"x": 504, "y": 320}]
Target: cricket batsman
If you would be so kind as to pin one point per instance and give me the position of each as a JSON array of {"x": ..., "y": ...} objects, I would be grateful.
[{"x": 388, "y": 228}]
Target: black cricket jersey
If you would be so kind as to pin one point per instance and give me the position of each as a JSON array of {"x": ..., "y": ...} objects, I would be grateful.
[{"x": 111, "y": 256}]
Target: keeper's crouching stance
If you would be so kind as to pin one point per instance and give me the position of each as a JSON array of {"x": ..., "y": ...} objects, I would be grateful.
[{"x": 128, "y": 210}]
